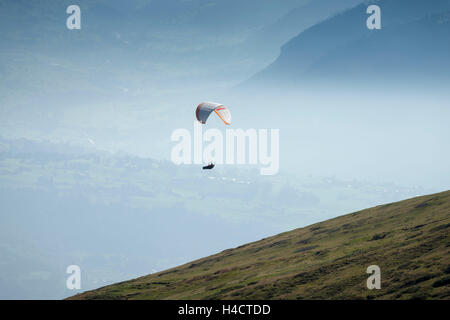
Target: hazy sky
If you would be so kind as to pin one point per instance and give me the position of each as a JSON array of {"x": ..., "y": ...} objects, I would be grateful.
[{"x": 86, "y": 118}]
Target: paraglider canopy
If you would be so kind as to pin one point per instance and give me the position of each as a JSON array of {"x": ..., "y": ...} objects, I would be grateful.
[{"x": 204, "y": 109}]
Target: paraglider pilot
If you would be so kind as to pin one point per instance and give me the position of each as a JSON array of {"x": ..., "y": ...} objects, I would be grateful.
[{"x": 209, "y": 166}]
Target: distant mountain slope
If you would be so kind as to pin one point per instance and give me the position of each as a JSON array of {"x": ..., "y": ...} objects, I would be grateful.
[
  {"x": 270, "y": 38},
  {"x": 137, "y": 45},
  {"x": 418, "y": 49},
  {"x": 343, "y": 43},
  {"x": 408, "y": 240}
]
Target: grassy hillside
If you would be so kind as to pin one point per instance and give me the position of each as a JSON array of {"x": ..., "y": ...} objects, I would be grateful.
[{"x": 408, "y": 240}]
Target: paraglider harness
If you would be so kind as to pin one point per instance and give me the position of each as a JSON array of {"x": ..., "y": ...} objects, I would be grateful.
[{"x": 209, "y": 166}]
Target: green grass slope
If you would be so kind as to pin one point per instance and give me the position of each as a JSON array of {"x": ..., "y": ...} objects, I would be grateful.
[{"x": 408, "y": 240}]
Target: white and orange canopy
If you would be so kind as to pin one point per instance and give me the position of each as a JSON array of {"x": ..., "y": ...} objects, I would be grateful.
[{"x": 204, "y": 109}]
